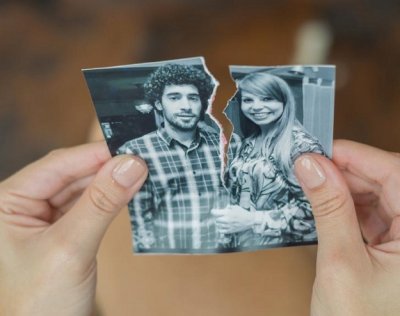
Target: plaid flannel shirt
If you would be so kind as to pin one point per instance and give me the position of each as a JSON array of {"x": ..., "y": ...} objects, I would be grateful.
[{"x": 172, "y": 209}]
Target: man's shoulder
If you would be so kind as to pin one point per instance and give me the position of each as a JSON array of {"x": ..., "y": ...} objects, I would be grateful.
[
  {"x": 138, "y": 145},
  {"x": 211, "y": 136}
]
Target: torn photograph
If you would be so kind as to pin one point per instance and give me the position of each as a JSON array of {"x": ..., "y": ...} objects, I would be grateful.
[
  {"x": 160, "y": 112},
  {"x": 279, "y": 113},
  {"x": 191, "y": 202}
]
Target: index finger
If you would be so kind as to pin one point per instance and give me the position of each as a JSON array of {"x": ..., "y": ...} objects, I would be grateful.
[
  {"x": 370, "y": 163},
  {"x": 47, "y": 176},
  {"x": 378, "y": 169}
]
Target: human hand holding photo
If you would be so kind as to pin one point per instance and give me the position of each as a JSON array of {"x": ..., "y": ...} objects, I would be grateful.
[
  {"x": 53, "y": 215},
  {"x": 49, "y": 233},
  {"x": 356, "y": 205}
]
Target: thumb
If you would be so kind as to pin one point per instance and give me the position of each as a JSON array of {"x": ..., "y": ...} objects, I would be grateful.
[
  {"x": 85, "y": 224},
  {"x": 333, "y": 207}
]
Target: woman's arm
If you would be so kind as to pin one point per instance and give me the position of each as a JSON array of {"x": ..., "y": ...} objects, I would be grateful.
[{"x": 53, "y": 215}]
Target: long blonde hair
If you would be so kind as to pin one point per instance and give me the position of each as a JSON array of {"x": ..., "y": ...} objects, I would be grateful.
[{"x": 279, "y": 142}]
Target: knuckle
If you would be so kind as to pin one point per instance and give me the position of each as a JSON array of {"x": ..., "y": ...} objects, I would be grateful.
[
  {"x": 339, "y": 269},
  {"x": 330, "y": 205},
  {"x": 56, "y": 153},
  {"x": 63, "y": 252},
  {"x": 103, "y": 200},
  {"x": 66, "y": 259}
]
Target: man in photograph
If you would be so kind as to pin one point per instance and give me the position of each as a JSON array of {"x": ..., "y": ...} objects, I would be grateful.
[{"x": 172, "y": 210}]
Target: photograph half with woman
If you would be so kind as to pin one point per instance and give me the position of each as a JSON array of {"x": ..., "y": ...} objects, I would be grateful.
[{"x": 280, "y": 113}]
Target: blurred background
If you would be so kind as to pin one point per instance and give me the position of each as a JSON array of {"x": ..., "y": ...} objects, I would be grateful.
[{"x": 45, "y": 104}]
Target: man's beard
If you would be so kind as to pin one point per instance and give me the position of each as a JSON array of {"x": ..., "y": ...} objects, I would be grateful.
[{"x": 183, "y": 126}]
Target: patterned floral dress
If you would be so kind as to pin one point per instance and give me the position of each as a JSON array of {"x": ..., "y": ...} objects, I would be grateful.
[{"x": 258, "y": 185}]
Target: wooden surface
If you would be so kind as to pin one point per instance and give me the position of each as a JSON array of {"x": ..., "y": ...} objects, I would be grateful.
[{"x": 44, "y": 104}]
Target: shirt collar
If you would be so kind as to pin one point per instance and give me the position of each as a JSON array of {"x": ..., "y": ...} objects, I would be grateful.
[{"x": 163, "y": 134}]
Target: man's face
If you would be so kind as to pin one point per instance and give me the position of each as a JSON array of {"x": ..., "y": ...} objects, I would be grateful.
[{"x": 181, "y": 106}]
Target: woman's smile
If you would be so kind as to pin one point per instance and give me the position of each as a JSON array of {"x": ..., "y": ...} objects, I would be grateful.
[
  {"x": 260, "y": 115},
  {"x": 261, "y": 110}
]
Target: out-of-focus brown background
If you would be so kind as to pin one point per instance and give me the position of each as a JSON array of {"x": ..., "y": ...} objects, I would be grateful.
[
  {"x": 43, "y": 45},
  {"x": 44, "y": 104}
]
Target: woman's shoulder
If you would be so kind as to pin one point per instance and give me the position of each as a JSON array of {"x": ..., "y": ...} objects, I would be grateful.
[
  {"x": 300, "y": 133},
  {"x": 303, "y": 142}
]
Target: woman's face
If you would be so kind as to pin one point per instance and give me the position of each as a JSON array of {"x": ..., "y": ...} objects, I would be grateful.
[{"x": 261, "y": 110}]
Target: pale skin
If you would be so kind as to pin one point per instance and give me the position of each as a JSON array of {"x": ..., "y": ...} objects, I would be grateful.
[
  {"x": 356, "y": 205},
  {"x": 54, "y": 213}
]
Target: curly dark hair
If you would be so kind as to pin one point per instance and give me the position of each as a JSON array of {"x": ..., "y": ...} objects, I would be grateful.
[{"x": 178, "y": 74}]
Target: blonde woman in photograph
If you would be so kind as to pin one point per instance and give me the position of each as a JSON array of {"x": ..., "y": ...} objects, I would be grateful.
[{"x": 268, "y": 206}]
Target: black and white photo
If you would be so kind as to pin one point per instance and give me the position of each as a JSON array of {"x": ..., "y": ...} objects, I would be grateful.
[
  {"x": 280, "y": 113},
  {"x": 172, "y": 211},
  {"x": 198, "y": 198}
]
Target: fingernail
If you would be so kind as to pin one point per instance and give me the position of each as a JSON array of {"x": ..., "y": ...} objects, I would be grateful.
[
  {"x": 128, "y": 172},
  {"x": 310, "y": 172}
]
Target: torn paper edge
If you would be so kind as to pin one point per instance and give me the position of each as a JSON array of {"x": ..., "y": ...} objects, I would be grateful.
[
  {"x": 222, "y": 137},
  {"x": 209, "y": 109}
]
